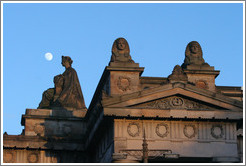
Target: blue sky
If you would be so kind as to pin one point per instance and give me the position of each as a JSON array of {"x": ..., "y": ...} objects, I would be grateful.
[{"x": 157, "y": 34}]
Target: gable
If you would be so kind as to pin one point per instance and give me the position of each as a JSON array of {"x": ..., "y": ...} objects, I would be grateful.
[{"x": 180, "y": 96}]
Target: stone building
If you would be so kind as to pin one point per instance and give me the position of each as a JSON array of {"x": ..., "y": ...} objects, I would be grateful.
[{"x": 182, "y": 118}]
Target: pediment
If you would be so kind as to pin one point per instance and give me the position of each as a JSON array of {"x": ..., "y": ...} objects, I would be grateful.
[
  {"x": 174, "y": 96},
  {"x": 177, "y": 102}
]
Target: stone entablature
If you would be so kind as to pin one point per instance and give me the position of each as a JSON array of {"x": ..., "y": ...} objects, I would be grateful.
[
  {"x": 176, "y": 130},
  {"x": 207, "y": 139},
  {"x": 174, "y": 113}
]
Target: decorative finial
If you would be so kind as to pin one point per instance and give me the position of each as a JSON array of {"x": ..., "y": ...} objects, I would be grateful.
[{"x": 177, "y": 75}]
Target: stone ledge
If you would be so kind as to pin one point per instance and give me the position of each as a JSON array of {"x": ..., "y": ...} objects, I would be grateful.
[
  {"x": 57, "y": 112},
  {"x": 183, "y": 114},
  {"x": 35, "y": 142}
]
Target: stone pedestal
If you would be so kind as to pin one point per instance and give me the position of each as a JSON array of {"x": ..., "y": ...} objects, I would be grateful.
[
  {"x": 54, "y": 123},
  {"x": 124, "y": 77},
  {"x": 202, "y": 76}
]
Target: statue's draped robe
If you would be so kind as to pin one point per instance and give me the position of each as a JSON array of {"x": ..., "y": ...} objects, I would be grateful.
[{"x": 71, "y": 95}]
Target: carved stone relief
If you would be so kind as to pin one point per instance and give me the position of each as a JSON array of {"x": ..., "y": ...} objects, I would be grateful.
[
  {"x": 174, "y": 102},
  {"x": 9, "y": 156},
  {"x": 67, "y": 129},
  {"x": 190, "y": 130},
  {"x": 177, "y": 101},
  {"x": 162, "y": 130},
  {"x": 202, "y": 84},
  {"x": 33, "y": 157},
  {"x": 217, "y": 131},
  {"x": 124, "y": 83},
  {"x": 133, "y": 129},
  {"x": 39, "y": 129}
]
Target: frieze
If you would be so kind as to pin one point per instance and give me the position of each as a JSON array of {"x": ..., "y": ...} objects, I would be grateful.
[
  {"x": 160, "y": 133},
  {"x": 175, "y": 102},
  {"x": 133, "y": 129}
]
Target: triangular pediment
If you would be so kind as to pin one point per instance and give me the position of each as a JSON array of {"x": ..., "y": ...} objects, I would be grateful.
[{"x": 174, "y": 96}]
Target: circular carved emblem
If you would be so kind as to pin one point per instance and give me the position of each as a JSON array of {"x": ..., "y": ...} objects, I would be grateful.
[
  {"x": 39, "y": 129},
  {"x": 8, "y": 157},
  {"x": 217, "y": 131},
  {"x": 190, "y": 131},
  {"x": 202, "y": 84},
  {"x": 177, "y": 101},
  {"x": 32, "y": 158},
  {"x": 162, "y": 130},
  {"x": 56, "y": 158},
  {"x": 124, "y": 83},
  {"x": 133, "y": 129},
  {"x": 67, "y": 129}
]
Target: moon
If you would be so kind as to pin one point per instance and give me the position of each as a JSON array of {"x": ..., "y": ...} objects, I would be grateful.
[{"x": 48, "y": 56}]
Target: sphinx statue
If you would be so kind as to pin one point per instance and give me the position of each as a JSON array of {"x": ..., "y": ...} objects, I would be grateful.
[
  {"x": 67, "y": 92},
  {"x": 193, "y": 55},
  {"x": 121, "y": 51}
]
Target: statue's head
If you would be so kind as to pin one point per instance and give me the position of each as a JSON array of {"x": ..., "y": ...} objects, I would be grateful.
[
  {"x": 193, "y": 55},
  {"x": 66, "y": 59},
  {"x": 193, "y": 49},
  {"x": 121, "y": 46}
]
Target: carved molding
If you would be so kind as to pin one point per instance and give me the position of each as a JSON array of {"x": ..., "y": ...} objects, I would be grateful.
[
  {"x": 187, "y": 133},
  {"x": 131, "y": 131},
  {"x": 124, "y": 83},
  {"x": 33, "y": 157},
  {"x": 214, "y": 131},
  {"x": 9, "y": 156},
  {"x": 174, "y": 102},
  {"x": 157, "y": 130}
]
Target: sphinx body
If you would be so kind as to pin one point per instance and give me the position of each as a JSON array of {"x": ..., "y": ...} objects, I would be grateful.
[
  {"x": 121, "y": 51},
  {"x": 193, "y": 55}
]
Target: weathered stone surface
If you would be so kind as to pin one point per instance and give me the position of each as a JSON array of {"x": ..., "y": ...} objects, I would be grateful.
[
  {"x": 177, "y": 75},
  {"x": 179, "y": 136},
  {"x": 42, "y": 156},
  {"x": 54, "y": 123}
]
